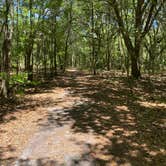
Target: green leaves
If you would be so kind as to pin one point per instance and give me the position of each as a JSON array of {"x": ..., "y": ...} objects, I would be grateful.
[
  {"x": 54, "y": 5},
  {"x": 20, "y": 79}
]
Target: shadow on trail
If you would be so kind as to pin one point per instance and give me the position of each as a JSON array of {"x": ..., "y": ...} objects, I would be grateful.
[
  {"x": 132, "y": 133},
  {"x": 6, "y": 108},
  {"x": 9, "y": 160},
  {"x": 122, "y": 114}
]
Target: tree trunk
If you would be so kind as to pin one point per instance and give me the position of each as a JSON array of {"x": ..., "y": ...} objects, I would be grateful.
[
  {"x": 55, "y": 46},
  {"x": 93, "y": 40},
  {"x": 68, "y": 36},
  {"x": 135, "y": 71},
  {"x": 5, "y": 67},
  {"x": 108, "y": 61},
  {"x": 29, "y": 67},
  {"x": 6, "y": 48},
  {"x": 30, "y": 46},
  {"x": 55, "y": 56}
]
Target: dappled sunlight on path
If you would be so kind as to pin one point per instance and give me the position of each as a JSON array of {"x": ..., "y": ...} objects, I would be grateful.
[{"x": 89, "y": 120}]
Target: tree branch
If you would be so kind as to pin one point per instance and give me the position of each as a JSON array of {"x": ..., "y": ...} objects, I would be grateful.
[{"x": 122, "y": 28}]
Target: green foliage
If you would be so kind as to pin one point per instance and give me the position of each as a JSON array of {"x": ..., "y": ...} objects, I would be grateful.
[
  {"x": 3, "y": 75},
  {"x": 20, "y": 79}
]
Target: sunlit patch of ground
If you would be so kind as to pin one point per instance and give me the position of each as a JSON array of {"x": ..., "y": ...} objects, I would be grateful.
[{"x": 152, "y": 105}]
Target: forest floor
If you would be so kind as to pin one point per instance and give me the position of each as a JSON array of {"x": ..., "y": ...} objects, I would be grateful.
[{"x": 84, "y": 120}]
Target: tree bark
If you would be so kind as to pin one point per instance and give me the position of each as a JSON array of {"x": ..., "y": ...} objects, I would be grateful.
[
  {"x": 29, "y": 48},
  {"x": 93, "y": 40},
  {"x": 135, "y": 71},
  {"x": 68, "y": 36},
  {"x": 6, "y": 48}
]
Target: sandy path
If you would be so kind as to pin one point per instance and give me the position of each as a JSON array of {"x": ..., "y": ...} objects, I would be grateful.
[{"x": 55, "y": 144}]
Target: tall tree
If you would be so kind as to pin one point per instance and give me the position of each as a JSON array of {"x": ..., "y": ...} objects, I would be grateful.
[
  {"x": 7, "y": 30},
  {"x": 146, "y": 12}
]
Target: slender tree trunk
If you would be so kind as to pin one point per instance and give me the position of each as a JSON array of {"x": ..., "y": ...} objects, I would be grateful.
[
  {"x": 68, "y": 36},
  {"x": 108, "y": 53},
  {"x": 45, "y": 57},
  {"x": 17, "y": 41},
  {"x": 29, "y": 47},
  {"x": 55, "y": 47},
  {"x": 29, "y": 64},
  {"x": 93, "y": 40},
  {"x": 55, "y": 56},
  {"x": 6, "y": 48}
]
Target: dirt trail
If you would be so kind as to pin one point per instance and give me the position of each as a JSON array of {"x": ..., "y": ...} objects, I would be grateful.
[
  {"x": 53, "y": 143},
  {"x": 81, "y": 120}
]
